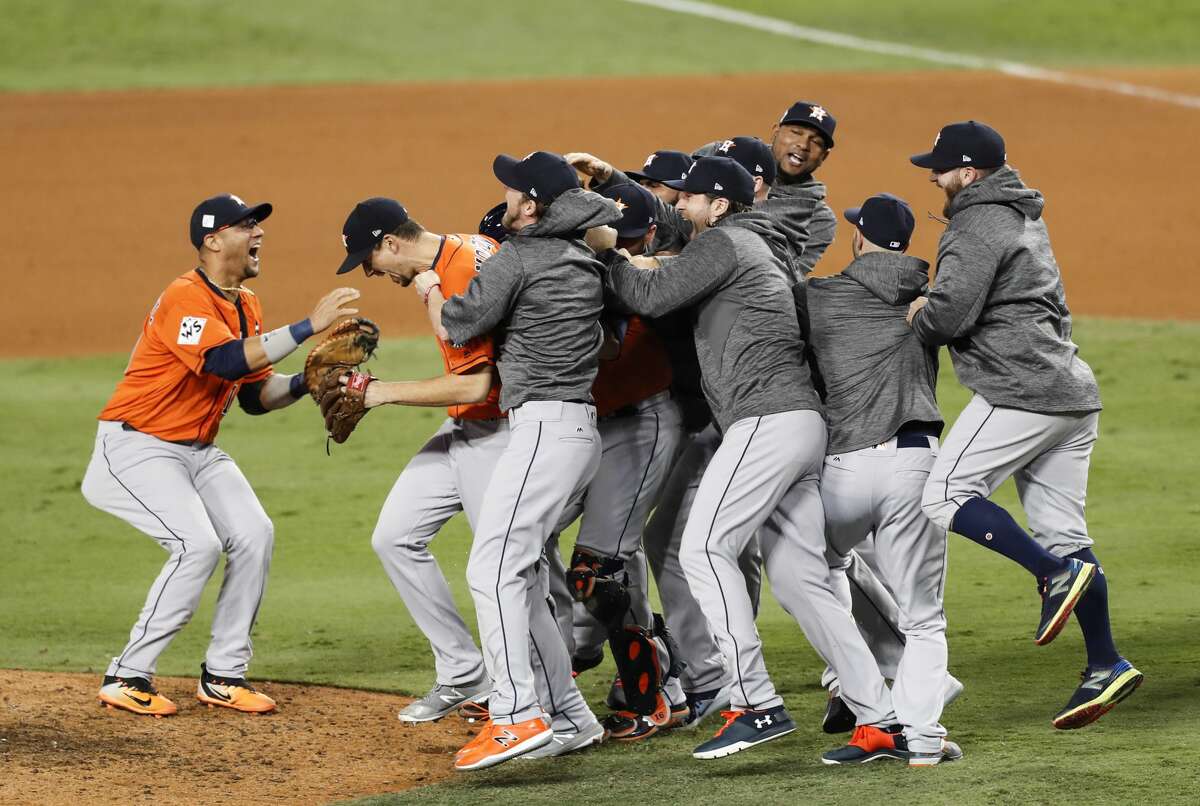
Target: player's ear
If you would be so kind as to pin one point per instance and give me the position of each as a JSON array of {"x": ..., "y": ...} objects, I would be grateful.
[
  {"x": 213, "y": 242},
  {"x": 719, "y": 207}
]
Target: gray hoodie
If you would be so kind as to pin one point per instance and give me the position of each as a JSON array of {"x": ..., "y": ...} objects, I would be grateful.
[
  {"x": 747, "y": 335},
  {"x": 998, "y": 302},
  {"x": 876, "y": 374},
  {"x": 799, "y": 209},
  {"x": 544, "y": 289}
]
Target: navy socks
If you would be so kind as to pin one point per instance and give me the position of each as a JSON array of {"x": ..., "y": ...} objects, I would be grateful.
[
  {"x": 993, "y": 528},
  {"x": 1092, "y": 612}
]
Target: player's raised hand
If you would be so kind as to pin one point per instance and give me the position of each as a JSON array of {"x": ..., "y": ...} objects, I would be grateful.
[
  {"x": 600, "y": 238},
  {"x": 329, "y": 308},
  {"x": 589, "y": 165}
]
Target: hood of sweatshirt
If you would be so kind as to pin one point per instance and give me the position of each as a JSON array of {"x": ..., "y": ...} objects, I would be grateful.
[
  {"x": 1003, "y": 187},
  {"x": 571, "y": 213},
  {"x": 769, "y": 229},
  {"x": 895, "y": 278}
]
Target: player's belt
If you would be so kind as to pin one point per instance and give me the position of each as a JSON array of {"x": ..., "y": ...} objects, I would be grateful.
[
  {"x": 187, "y": 443},
  {"x": 634, "y": 409},
  {"x": 915, "y": 436}
]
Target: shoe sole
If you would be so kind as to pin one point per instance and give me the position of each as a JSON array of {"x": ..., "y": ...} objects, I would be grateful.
[
  {"x": 120, "y": 706},
  {"x": 213, "y": 703},
  {"x": 1082, "y": 582},
  {"x": 527, "y": 746},
  {"x": 567, "y": 749},
  {"x": 1089, "y": 712},
  {"x": 893, "y": 755},
  {"x": 737, "y": 747}
]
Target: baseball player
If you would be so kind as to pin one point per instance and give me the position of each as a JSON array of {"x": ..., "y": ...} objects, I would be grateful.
[
  {"x": 879, "y": 387},
  {"x": 999, "y": 305},
  {"x": 640, "y": 428},
  {"x": 155, "y": 465},
  {"x": 450, "y": 473},
  {"x": 662, "y": 166},
  {"x": 544, "y": 287},
  {"x": 765, "y": 472},
  {"x": 801, "y": 142}
]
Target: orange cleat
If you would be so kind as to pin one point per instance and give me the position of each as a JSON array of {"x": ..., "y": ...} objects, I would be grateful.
[
  {"x": 498, "y": 743},
  {"x": 232, "y": 692},
  {"x": 135, "y": 694}
]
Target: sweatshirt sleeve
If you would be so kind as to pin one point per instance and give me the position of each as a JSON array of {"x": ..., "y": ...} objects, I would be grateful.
[
  {"x": 488, "y": 299},
  {"x": 965, "y": 271},
  {"x": 677, "y": 283},
  {"x": 821, "y": 229}
]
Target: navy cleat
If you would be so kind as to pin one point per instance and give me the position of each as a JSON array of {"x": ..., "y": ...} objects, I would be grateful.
[
  {"x": 870, "y": 743},
  {"x": 703, "y": 704},
  {"x": 1098, "y": 694},
  {"x": 838, "y": 716},
  {"x": 1060, "y": 593},
  {"x": 745, "y": 729}
]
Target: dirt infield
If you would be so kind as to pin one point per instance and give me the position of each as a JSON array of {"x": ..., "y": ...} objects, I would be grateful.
[
  {"x": 58, "y": 746},
  {"x": 96, "y": 204}
]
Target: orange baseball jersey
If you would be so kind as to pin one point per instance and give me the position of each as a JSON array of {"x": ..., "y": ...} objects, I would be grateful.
[
  {"x": 456, "y": 264},
  {"x": 165, "y": 390},
  {"x": 641, "y": 370}
]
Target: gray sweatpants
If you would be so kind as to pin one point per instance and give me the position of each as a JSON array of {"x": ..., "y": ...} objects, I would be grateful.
[
  {"x": 1049, "y": 455},
  {"x": 552, "y": 454},
  {"x": 879, "y": 489},
  {"x": 765, "y": 475},
  {"x": 196, "y": 504},
  {"x": 448, "y": 475}
]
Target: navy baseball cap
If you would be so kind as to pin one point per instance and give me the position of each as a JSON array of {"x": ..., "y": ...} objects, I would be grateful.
[
  {"x": 815, "y": 116},
  {"x": 543, "y": 175},
  {"x": 752, "y": 154},
  {"x": 960, "y": 145},
  {"x": 884, "y": 220},
  {"x": 661, "y": 166},
  {"x": 492, "y": 223},
  {"x": 718, "y": 176},
  {"x": 365, "y": 227},
  {"x": 219, "y": 212},
  {"x": 637, "y": 209}
]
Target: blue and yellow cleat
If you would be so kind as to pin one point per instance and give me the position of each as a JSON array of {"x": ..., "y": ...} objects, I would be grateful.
[
  {"x": 1060, "y": 594},
  {"x": 1098, "y": 694}
]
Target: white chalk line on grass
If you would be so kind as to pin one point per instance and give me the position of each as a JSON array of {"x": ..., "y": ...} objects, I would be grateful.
[{"x": 839, "y": 40}]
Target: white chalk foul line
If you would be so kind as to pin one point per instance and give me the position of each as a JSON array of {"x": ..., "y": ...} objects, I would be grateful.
[{"x": 835, "y": 39}]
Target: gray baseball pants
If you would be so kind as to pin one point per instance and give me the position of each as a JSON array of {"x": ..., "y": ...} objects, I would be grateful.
[
  {"x": 764, "y": 477},
  {"x": 878, "y": 489},
  {"x": 450, "y": 474},
  {"x": 552, "y": 454},
  {"x": 1048, "y": 454},
  {"x": 195, "y": 502}
]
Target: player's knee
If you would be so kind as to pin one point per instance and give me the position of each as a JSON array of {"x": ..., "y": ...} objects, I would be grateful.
[
  {"x": 204, "y": 553},
  {"x": 940, "y": 512}
]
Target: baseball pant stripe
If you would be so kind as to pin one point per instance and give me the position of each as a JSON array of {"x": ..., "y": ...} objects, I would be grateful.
[
  {"x": 650, "y": 458},
  {"x": 178, "y": 562},
  {"x": 500, "y": 566},
  {"x": 963, "y": 453},
  {"x": 554, "y": 711},
  {"x": 716, "y": 576}
]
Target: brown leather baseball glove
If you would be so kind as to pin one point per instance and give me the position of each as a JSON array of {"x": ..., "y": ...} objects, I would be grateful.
[{"x": 340, "y": 353}]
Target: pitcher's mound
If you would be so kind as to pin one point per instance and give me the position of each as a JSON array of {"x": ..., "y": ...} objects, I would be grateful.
[{"x": 59, "y": 746}]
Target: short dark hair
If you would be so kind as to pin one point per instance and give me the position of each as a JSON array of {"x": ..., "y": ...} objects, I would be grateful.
[
  {"x": 734, "y": 207},
  {"x": 410, "y": 230}
]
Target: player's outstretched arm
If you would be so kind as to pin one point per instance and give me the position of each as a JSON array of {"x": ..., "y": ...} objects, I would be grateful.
[
  {"x": 446, "y": 390},
  {"x": 274, "y": 392}
]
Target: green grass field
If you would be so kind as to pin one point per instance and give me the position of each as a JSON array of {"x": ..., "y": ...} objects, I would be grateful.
[
  {"x": 62, "y": 44},
  {"x": 74, "y": 578}
]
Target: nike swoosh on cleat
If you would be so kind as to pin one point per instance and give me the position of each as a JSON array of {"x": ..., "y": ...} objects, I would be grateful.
[
  {"x": 144, "y": 703},
  {"x": 220, "y": 695}
]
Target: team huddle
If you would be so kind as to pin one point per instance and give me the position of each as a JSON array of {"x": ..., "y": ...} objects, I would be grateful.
[{"x": 646, "y": 353}]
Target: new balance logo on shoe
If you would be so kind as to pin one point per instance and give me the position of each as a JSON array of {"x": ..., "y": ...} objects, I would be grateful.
[
  {"x": 1096, "y": 679},
  {"x": 1060, "y": 584},
  {"x": 506, "y": 738},
  {"x": 762, "y": 723}
]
